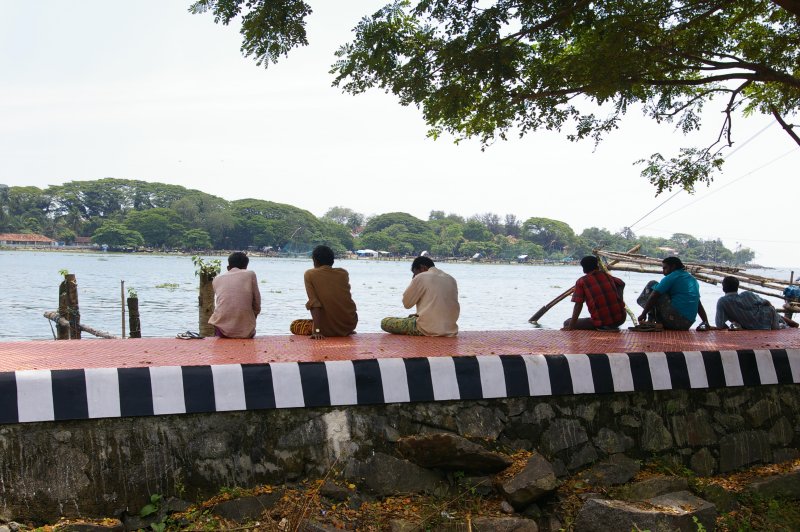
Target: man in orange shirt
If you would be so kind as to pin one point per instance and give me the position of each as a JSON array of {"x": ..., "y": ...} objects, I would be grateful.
[{"x": 333, "y": 312}]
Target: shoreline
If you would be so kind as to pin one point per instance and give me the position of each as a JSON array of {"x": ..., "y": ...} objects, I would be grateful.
[{"x": 225, "y": 253}]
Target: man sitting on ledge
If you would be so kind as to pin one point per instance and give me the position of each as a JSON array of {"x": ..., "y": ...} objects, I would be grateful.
[
  {"x": 673, "y": 302},
  {"x": 333, "y": 312},
  {"x": 746, "y": 310},
  {"x": 436, "y": 296},
  {"x": 603, "y": 296},
  {"x": 237, "y": 299}
]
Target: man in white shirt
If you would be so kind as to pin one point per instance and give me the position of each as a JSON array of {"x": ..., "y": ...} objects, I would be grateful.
[
  {"x": 435, "y": 295},
  {"x": 237, "y": 299}
]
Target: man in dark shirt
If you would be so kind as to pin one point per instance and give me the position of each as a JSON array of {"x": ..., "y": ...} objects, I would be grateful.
[
  {"x": 602, "y": 294},
  {"x": 745, "y": 310}
]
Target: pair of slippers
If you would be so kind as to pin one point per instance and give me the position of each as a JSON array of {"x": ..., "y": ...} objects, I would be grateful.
[
  {"x": 647, "y": 326},
  {"x": 188, "y": 335}
]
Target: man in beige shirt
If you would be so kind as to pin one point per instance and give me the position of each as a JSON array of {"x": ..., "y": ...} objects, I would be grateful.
[
  {"x": 333, "y": 312},
  {"x": 237, "y": 300},
  {"x": 435, "y": 294}
]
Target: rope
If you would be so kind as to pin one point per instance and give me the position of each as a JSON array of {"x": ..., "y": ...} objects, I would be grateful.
[{"x": 739, "y": 147}]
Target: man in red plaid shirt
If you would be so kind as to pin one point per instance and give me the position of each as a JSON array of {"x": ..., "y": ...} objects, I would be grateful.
[{"x": 602, "y": 294}]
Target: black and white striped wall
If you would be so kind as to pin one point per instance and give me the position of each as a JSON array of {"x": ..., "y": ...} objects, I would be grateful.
[{"x": 48, "y": 395}]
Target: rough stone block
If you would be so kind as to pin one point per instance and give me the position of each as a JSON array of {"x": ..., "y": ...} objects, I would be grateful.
[
  {"x": 536, "y": 480},
  {"x": 614, "y": 470},
  {"x": 450, "y": 451},
  {"x": 742, "y": 449},
  {"x": 611, "y": 442},
  {"x": 670, "y": 512},
  {"x": 703, "y": 463},
  {"x": 563, "y": 434}
]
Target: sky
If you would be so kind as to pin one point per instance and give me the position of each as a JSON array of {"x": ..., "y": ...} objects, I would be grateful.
[{"x": 145, "y": 90}]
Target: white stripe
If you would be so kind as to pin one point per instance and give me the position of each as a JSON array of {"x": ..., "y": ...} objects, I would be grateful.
[
  {"x": 621, "y": 372},
  {"x": 659, "y": 371},
  {"x": 228, "y": 387},
  {"x": 102, "y": 392},
  {"x": 730, "y": 365},
  {"x": 443, "y": 376},
  {"x": 342, "y": 382},
  {"x": 538, "y": 375},
  {"x": 766, "y": 367},
  {"x": 35, "y": 395},
  {"x": 493, "y": 379},
  {"x": 287, "y": 385},
  {"x": 394, "y": 380},
  {"x": 167, "y": 386},
  {"x": 696, "y": 368},
  {"x": 794, "y": 363},
  {"x": 580, "y": 371}
]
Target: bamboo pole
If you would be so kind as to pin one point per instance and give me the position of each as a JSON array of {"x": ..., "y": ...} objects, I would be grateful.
[
  {"x": 710, "y": 274},
  {"x": 61, "y": 322},
  {"x": 541, "y": 312},
  {"x": 122, "y": 301}
]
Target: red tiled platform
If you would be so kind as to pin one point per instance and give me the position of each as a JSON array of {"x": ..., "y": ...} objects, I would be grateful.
[{"x": 94, "y": 353}]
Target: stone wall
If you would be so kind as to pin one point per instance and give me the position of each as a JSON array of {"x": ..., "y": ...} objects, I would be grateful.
[{"x": 100, "y": 467}]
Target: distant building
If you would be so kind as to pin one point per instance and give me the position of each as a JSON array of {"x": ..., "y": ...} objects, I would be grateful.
[{"x": 26, "y": 240}]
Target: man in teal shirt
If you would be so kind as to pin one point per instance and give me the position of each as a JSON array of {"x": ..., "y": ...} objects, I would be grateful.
[{"x": 675, "y": 301}]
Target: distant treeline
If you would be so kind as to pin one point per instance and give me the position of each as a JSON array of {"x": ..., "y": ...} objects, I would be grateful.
[{"x": 129, "y": 214}]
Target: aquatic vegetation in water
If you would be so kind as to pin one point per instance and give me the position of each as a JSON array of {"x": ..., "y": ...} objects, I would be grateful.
[{"x": 168, "y": 286}]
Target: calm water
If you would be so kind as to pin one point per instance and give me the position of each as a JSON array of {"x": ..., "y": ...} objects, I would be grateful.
[{"x": 492, "y": 296}]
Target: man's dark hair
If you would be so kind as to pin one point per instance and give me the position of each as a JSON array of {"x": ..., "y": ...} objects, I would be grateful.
[
  {"x": 730, "y": 284},
  {"x": 323, "y": 255},
  {"x": 238, "y": 259},
  {"x": 675, "y": 262},
  {"x": 589, "y": 263},
  {"x": 421, "y": 261}
]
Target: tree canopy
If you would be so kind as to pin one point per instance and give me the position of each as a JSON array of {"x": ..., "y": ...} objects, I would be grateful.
[
  {"x": 506, "y": 66},
  {"x": 170, "y": 217}
]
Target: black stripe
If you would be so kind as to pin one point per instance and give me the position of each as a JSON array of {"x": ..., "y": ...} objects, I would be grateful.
[
  {"x": 369, "y": 384},
  {"x": 69, "y": 394},
  {"x": 258, "y": 389},
  {"x": 780, "y": 359},
  {"x": 9, "y": 409},
  {"x": 420, "y": 384},
  {"x": 468, "y": 376},
  {"x": 198, "y": 389},
  {"x": 516, "y": 375},
  {"x": 601, "y": 372},
  {"x": 715, "y": 373},
  {"x": 135, "y": 392},
  {"x": 640, "y": 372},
  {"x": 678, "y": 370},
  {"x": 749, "y": 367},
  {"x": 314, "y": 379},
  {"x": 560, "y": 377}
]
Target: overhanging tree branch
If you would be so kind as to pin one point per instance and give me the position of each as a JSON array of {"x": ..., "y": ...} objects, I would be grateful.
[{"x": 786, "y": 127}]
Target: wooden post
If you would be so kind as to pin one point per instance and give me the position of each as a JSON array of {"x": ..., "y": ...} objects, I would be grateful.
[
  {"x": 206, "y": 302},
  {"x": 62, "y": 328},
  {"x": 73, "y": 315},
  {"x": 133, "y": 317}
]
